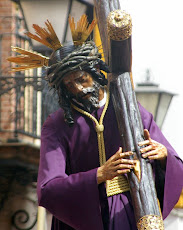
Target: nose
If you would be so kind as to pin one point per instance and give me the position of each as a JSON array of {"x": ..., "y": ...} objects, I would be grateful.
[{"x": 78, "y": 86}]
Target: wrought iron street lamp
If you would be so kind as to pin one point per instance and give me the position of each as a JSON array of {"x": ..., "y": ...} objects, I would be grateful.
[
  {"x": 154, "y": 99},
  {"x": 57, "y": 12}
]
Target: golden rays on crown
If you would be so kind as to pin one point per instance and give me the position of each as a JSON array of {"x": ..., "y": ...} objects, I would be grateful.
[
  {"x": 27, "y": 59},
  {"x": 82, "y": 30},
  {"x": 47, "y": 36}
]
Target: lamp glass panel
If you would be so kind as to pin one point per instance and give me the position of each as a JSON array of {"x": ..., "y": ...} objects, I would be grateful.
[
  {"x": 37, "y": 12},
  {"x": 164, "y": 103},
  {"x": 148, "y": 100},
  {"x": 77, "y": 10}
]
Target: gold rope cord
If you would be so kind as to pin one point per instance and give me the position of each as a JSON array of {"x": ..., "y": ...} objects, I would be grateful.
[
  {"x": 118, "y": 184},
  {"x": 150, "y": 222}
]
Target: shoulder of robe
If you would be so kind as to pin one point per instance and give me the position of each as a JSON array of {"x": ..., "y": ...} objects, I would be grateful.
[
  {"x": 146, "y": 116},
  {"x": 55, "y": 119}
]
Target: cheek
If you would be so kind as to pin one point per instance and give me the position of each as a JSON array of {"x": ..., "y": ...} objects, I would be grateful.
[
  {"x": 73, "y": 90},
  {"x": 88, "y": 83}
]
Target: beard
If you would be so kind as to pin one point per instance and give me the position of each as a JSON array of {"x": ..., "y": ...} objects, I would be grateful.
[{"x": 90, "y": 103}]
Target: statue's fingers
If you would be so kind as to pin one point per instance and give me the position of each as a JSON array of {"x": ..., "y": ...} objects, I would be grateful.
[
  {"x": 122, "y": 171},
  {"x": 146, "y": 149},
  {"x": 146, "y": 142},
  {"x": 146, "y": 134},
  {"x": 126, "y": 154},
  {"x": 117, "y": 155},
  {"x": 123, "y": 166},
  {"x": 154, "y": 157},
  {"x": 124, "y": 161},
  {"x": 149, "y": 154}
]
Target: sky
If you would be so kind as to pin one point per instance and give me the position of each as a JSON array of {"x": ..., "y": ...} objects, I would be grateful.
[{"x": 157, "y": 44}]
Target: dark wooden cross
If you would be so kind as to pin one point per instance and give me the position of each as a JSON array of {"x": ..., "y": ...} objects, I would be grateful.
[{"x": 118, "y": 56}]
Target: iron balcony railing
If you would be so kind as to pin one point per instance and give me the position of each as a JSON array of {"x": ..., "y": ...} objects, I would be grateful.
[{"x": 30, "y": 100}]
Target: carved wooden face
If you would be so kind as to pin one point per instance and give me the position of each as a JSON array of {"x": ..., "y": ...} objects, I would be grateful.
[
  {"x": 83, "y": 88},
  {"x": 77, "y": 82}
]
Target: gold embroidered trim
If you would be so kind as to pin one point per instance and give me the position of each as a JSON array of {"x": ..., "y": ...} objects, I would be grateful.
[
  {"x": 150, "y": 222},
  {"x": 119, "y": 25},
  {"x": 117, "y": 185}
]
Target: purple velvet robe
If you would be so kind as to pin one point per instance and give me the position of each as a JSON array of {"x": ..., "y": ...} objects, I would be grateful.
[{"x": 67, "y": 183}]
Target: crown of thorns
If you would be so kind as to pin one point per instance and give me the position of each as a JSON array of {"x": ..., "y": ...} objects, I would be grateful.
[
  {"x": 85, "y": 57},
  {"x": 79, "y": 56}
]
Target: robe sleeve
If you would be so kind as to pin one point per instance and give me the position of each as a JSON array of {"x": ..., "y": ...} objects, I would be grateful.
[
  {"x": 174, "y": 166},
  {"x": 72, "y": 199}
]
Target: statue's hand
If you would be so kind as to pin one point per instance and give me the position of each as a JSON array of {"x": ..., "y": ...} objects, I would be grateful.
[
  {"x": 153, "y": 149},
  {"x": 115, "y": 165}
]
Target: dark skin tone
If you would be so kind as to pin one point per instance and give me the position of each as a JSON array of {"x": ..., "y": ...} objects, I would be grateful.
[
  {"x": 76, "y": 81},
  {"x": 117, "y": 164}
]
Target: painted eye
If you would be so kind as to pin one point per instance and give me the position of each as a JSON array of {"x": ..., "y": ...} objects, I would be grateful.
[{"x": 82, "y": 79}]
